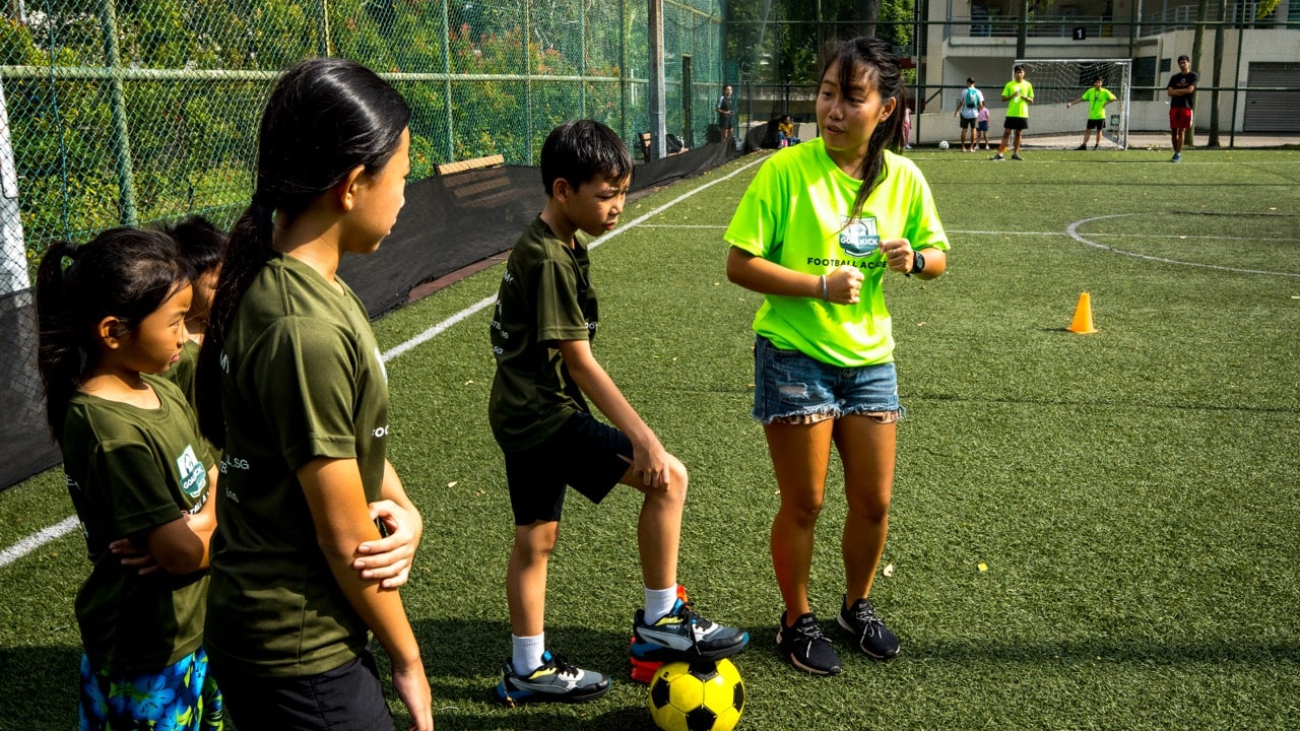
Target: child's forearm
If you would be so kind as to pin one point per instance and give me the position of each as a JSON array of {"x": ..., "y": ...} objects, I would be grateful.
[{"x": 339, "y": 511}]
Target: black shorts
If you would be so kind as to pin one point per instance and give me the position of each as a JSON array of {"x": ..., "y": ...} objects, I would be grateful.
[
  {"x": 585, "y": 454},
  {"x": 1016, "y": 123},
  {"x": 348, "y": 698},
  {"x": 1096, "y": 124},
  {"x": 968, "y": 123}
]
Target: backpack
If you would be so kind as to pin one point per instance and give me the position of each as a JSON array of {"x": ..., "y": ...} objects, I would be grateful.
[{"x": 972, "y": 99}]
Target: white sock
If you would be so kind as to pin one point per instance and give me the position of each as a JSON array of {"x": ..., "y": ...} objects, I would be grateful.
[
  {"x": 659, "y": 602},
  {"x": 527, "y": 653}
]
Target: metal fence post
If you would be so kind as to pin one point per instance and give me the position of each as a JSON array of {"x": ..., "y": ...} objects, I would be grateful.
[
  {"x": 528, "y": 82},
  {"x": 117, "y": 100},
  {"x": 446, "y": 85}
]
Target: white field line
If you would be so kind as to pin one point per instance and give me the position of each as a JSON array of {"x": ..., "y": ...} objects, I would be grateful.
[
  {"x": 58, "y": 530},
  {"x": 1073, "y": 231},
  {"x": 36, "y": 540}
]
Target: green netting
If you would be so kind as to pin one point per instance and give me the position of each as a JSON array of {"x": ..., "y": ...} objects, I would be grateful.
[{"x": 139, "y": 110}]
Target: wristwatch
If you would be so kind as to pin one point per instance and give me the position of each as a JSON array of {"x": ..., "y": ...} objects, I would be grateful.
[{"x": 918, "y": 263}]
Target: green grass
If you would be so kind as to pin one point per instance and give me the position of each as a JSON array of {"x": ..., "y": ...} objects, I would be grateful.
[{"x": 1133, "y": 492}]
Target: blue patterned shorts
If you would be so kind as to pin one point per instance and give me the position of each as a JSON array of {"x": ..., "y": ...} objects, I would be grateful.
[{"x": 180, "y": 697}]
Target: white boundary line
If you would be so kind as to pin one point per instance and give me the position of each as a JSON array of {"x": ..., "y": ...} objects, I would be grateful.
[
  {"x": 58, "y": 530},
  {"x": 1073, "y": 231},
  {"x": 36, "y": 540}
]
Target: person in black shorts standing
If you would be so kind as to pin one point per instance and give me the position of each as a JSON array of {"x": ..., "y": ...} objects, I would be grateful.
[
  {"x": 542, "y": 331},
  {"x": 1018, "y": 94}
]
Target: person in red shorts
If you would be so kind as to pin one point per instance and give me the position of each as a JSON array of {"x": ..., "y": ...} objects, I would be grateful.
[{"x": 1181, "y": 88}]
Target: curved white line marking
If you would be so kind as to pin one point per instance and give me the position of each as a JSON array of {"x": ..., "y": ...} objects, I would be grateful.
[{"x": 1073, "y": 231}]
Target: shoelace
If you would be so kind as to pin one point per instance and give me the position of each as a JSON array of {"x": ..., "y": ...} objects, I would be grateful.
[
  {"x": 692, "y": 620},
  {"x": 811, "y": 631},
  {"x": 866, "y": 616},
  {"x": 563, "y": 666}
]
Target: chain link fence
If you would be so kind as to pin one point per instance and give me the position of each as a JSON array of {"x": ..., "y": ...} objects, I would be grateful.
[
  {"x": 1247, "y": 56},
  {"x": 125, "y": 112}
]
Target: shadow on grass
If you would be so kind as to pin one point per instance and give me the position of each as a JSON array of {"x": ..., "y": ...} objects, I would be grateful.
[{"x": 39, "y": 688}]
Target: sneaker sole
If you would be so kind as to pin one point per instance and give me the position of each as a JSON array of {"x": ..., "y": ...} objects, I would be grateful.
[
  {"x": 659, "y": 653},
  {"x": 849, "y": 628},
  {"x": 520, "y": 697},
  {"x": 790, "y": 658}
]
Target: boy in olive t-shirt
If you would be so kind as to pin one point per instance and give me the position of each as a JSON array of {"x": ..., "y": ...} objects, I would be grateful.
[{"x": 542, "y": 329}]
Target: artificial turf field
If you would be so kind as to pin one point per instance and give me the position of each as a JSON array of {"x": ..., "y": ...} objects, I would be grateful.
[{"x": 1133, "y": 495}]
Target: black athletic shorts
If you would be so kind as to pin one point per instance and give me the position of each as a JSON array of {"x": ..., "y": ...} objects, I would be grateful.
[
  {"x": 968, "y": 122},
  {"x": 1016, "y": 123},
  {"x": 347, "y": 698},
  {"x": 1096, "y": 124},
  {"x": 585, "y": 454}
]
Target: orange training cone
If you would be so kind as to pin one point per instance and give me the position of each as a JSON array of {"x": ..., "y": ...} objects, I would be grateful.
[{"x": 1082, "y": 323}]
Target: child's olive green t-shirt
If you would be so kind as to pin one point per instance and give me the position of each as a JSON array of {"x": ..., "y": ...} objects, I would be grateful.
[
  {"x": 301, "y": 378},
  {"x": 545, "y": 296},
  {"x": 130, "y": 470}
]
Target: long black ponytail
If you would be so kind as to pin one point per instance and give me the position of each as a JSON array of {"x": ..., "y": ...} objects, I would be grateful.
[
  {"x": 874, "y": 59},
  {"x": 324, "y": 117},
  {"x": 124, "y": 273}
]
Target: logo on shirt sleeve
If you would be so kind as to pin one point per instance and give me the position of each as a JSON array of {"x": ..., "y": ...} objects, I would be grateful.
[
  {"x": 193, "y": 477},
  {"x": 858, "y": 236}
]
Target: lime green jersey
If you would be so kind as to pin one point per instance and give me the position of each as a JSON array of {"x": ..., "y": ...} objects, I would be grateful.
[
  {"x": 1097, "y": 100},
  {"x": 796, "y": 214},
  {"x": 1017, "y": 106}
]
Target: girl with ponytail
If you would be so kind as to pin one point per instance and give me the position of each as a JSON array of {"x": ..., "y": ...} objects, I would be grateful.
[
  {"x": 816, "y": 232},
  {"x": 111, "y": 316},
  {"x": 292, "y": 386}
]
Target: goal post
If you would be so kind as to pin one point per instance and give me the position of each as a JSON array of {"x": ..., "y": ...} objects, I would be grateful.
[{"x": 1057, "y": 81}]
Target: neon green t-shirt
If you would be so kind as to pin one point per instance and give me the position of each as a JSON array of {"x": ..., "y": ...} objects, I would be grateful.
[
  {"x": 795, "y": 213},
  {"x": 1018, "y": 107},
  {"x": 1097, "y": 100}
]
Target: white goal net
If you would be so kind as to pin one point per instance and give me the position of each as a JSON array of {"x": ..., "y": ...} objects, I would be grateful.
[{"x": 1058, "y": 81}]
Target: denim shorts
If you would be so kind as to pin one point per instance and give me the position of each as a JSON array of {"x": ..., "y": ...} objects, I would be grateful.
[{"x": 792, "y": 388}]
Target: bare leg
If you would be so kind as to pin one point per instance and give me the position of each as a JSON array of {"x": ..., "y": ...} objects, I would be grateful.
[
  {"x": 659, "y": 527},
  {"x": 866, "y": 448},
  {"x": 526, "y": 576},
  {"x": 800, "y": 454}
]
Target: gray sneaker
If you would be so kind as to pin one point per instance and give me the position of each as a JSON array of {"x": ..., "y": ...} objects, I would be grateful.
[
  {"x": 683, "y": 635},
  {"x": 554, "y": 682}
]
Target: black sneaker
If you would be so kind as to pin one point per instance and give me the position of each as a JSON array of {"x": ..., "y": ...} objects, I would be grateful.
[
  {"x": 1084, "y": 146},
  {"x": 872, "y": 636},
  {"x": 1016, "y": 156},
  {"x": 806, "y": 647},
  {"x": 555, "y": 682},
  {"x": 683, "y": 635}
]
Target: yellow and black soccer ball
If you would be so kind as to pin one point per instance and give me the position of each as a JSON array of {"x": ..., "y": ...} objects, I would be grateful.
[{"x": 697, "y": 696}]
